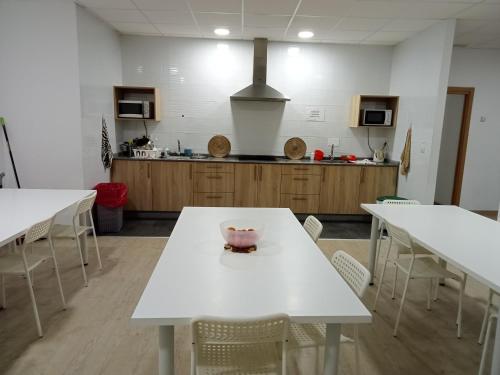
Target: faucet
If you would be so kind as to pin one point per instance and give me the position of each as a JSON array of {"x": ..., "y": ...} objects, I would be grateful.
[
  {"x": 179, "y": 147},
  {"x": 331, "y": 152}
]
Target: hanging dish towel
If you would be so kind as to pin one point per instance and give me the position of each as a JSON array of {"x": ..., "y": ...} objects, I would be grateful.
[
  {"x": 405, "y": 155},
  {"x": 106, "y": 152}
]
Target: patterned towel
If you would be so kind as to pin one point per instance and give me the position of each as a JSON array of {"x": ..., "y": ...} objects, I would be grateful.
[
  {"x": 106, "y": 152},
  {"x": 405, "y": 155}
]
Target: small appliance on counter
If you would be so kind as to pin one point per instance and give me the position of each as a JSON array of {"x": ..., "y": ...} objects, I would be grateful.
[
  {"x": 379, "y": 154},
  {"x": 376, "y": 117},
  {"x": 134, "y": 109}
]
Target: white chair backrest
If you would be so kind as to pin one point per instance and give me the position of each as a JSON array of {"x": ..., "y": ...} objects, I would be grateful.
[
  {"x": 353, "y": 272},
  {"x": 38, "y": 231},
  {"x": 400, "y": 235},
  {"x": 85, "y": 204},
  {"x": 266, "y": 329},
  {"x": 401, "y": 202},
  {"x": 313, "y": 227}
]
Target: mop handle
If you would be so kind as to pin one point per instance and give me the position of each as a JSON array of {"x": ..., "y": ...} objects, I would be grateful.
[{"x": 2, "y": 122}]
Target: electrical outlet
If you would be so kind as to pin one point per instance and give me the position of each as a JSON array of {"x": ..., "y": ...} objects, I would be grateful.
[{"x": 334, "y": 141}]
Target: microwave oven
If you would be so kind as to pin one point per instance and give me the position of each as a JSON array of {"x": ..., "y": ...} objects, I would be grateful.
[
  {"x": 134, "y": 109},
  {"x": 376, "y": 117}
]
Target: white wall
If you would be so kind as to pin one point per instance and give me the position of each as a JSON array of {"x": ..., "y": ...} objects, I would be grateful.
[
  {"x": 39, "y": 92},
  {"x": 196, "y": 78},
  {"x": 480, "y": 68},
  {"x": 420, "y": 69},
  {"x": 100, "y": 68},
  {"x": 450, "y": 138}
]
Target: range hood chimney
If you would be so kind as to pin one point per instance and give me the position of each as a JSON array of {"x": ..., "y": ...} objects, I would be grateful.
[{"x": 259, "y": 90}]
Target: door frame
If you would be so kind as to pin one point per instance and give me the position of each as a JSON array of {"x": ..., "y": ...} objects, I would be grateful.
[{"x": 468, "y": 93}]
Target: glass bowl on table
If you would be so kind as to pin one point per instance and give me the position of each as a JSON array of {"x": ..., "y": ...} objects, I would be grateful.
[{"x": 241, "y": 235}]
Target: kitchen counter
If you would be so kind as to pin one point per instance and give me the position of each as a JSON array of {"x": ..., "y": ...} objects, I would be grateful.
[{"x": 279, "y": 160}]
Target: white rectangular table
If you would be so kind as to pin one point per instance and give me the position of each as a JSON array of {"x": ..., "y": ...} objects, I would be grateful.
[
  {"x": 468, "y": 241},
  {"x": 21, "y": 208},
  {"x": 287, "y": 274}
]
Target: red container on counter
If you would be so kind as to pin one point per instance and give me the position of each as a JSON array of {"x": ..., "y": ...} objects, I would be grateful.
[{"x": 319, "y": 154}]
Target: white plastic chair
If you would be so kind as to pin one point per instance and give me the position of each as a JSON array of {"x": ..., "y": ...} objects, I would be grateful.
[
  {"x": 400, "y": 251},
  {"x": 23, "y": 264},
  {"x": 239, "y": 346},
  {"x": 83, "y": 207},
  {"x": 313, "y": 227},
  {"x": 490, "y": 314},
  {"x": 417, "y": 268},
  {"x": 312, "y": 335}
]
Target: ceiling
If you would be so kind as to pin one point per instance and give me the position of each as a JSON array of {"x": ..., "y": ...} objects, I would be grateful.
[{"x": 332, "y": 21}]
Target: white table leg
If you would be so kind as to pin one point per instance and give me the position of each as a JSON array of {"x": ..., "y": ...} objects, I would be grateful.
[
  {"x": 83, "y": 240},
  {"x": 166, "y": 352},
  {"x": 332, "y": 346},
  {"x": 372, "y": 253},
  {"x": 495, "y": 362}
]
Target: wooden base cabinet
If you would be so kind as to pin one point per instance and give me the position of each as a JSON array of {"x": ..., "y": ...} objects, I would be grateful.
[
  {"x": 376, "y": 182},
  {"x": 257, "y": 185},
  {"x": 340, "y": 189},
  {"x": 136, "y": 174},
  {"x": 172, "y": 185}
]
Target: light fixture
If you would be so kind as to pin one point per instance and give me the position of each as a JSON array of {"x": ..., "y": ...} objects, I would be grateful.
[
  {"x": 221, "y": 32},
  {"x": 293, "y": 51},
  {"x": 306, "y": 34}
]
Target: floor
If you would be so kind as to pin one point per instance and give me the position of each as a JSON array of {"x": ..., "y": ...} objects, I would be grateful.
[
  {"x": 164, "y": 227},
  {"x": 94, "y": 335}
]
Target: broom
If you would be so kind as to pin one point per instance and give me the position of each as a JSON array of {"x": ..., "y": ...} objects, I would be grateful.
[{"x": 4, "y": 126}]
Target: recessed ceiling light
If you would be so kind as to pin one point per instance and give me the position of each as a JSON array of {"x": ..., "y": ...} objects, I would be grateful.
[
  {"x": 305, "y": 34},
  {"x": 221, "y": 32}
]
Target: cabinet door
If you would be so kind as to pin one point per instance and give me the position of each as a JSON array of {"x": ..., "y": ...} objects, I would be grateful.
[
  {"x": 375, "y": 182},
  {"x": 245, "y": 185},
  {"x": 214, "y": 199},
  {"x": 136, "y": 174},
  {"x": 268, "y": 194},
  {"x": 172, "y": 185},
  {"x": 300, "y": 203},
  {"x": 340, "y": 190}
]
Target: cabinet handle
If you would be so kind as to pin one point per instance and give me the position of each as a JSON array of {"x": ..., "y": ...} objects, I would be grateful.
[
  {"x": 298, "y": 199},
  {"x": 213, "y": 166},
  {"x": 214, "y": 177},
  {"x": 300, "y": 169},
  {"x": 213, "y": 196},
  {"x": 300, "y": 179},
  {"x": 323, "y": 173}
]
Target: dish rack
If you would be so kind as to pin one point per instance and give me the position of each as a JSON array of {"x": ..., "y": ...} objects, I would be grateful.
[{"x": 145, "y": 154}]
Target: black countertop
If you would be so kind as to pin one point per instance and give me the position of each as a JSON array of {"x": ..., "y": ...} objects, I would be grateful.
[{"x": 278, "y": 160}]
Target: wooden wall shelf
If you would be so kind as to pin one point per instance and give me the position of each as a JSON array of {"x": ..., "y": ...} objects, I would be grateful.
[
  {"x": 360, "y": 102},
  {"x": 150, "y": 94}
]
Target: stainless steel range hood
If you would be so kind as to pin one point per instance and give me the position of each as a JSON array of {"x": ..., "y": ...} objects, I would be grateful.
[{"x": 259, "y": 90}]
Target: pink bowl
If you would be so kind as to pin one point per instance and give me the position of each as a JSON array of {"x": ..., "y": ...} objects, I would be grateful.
[{"x": 241, "y": 233}]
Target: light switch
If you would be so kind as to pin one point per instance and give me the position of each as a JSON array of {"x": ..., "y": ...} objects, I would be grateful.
[
  {"x": 482, "y": 119},
  {"x": 334, "y": 141}
]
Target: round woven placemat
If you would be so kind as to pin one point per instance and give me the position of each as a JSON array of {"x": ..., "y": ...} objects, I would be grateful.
[
  {"x": 295, "y": 148},
  {"x": 219, "y": 146}
]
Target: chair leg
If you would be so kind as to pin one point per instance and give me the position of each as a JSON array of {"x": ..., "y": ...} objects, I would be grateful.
[
  {"x": 382, "y": 276},
  {"x": 393, "y": 295},
  {"x": 33, "y": 304},
  {"x": 398, "y": 318},
  {"x": 485, "y": 347},
  {"x": 58, "y": 276},
  {"x": 4, "y": 296},
  {"x": 486, "y": 317},
  {"x": 356, "y": 350},
  {"x": 95, "y": 241},
  {"x": 436, "y": 290},
  {"x": 82, "y": 262},
  {"x": 379, "y": 247}
]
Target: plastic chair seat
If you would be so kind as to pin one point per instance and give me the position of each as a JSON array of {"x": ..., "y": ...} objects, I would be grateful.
[
  {"x": 306, "y": 335},
  {"x": 258, "y": 358},
  {"x": 13, "y": 263},
  {"x": 418, "y": 250},
  {"x": 425, "y": 268},
  {"x": 67, "y": 231}
]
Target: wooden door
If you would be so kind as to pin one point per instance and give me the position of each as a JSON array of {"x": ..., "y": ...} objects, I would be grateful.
[
  {"x": 340, "y": 190},
  {"x": 268, "y": 194},
  {"x": 172, "y": 185},
  {"x": 376, "y": 182},
  {"x": 245, "y": 185},
  {"x": 136, "y": 174}
]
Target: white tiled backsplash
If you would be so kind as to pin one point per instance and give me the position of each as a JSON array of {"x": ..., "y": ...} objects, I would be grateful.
[{"x": 197, "y": 76}]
